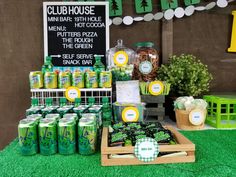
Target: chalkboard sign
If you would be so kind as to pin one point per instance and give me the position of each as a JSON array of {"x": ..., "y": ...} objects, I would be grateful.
[{"x": 75, "y": 31}]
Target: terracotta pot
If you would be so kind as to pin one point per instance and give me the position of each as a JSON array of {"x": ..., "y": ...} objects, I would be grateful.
[{"x": 182, "y": 121}]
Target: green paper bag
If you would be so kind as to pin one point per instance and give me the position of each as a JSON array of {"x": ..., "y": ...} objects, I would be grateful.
[
  {"x": 143, "y": 6},
  {"x": 115, "y": 8},
  {"x": 190, "y": 2},
  {"x": 169, "y": 4}
]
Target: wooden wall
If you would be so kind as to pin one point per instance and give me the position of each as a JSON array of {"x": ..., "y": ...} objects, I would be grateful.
[{"x": 207, "y": 35}]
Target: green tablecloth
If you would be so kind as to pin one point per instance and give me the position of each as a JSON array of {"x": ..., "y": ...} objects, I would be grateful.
[{"x": 215, "y": 156}]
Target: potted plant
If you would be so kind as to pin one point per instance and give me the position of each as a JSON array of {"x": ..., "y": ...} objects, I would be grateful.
[{"x": 187, "y": 75}]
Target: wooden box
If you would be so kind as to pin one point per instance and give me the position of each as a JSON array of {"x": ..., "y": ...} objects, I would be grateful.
[
  {"x": 154, "y": 107},
  {"x": 183, "y": 152}
]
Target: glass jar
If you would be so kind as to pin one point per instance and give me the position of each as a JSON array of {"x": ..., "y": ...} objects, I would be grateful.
[
  {"x": 119, "y": 55},
  {"x": 146, "y": 62}
]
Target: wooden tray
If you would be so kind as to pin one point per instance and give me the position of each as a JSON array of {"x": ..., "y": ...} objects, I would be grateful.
[{"x": 184, "y": 145}]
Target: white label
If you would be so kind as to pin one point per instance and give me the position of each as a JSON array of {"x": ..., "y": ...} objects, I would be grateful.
[
  {"x": 156, "y": 88},
  {"x": 73, "y": 93},
  {"x": 121, "y": 59},
  {"x": 196, "y": 117},
  {"x": 130, "y": 115},
  {"x": 145, "y": 67}
]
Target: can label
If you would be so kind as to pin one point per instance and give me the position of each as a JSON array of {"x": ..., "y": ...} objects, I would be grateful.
[
  {"x": 66, "y": 139},
  {"x": 36, "y": 80},
  {"x": 87, "y": 139},
  {"x": 78, "y": 79},
  {"x": 50, "y": 80},
  {"x": 28, "y": 140},
  {"x": 48, "y": 139},
  {"x": 105, "y": 79},
  {"x": 91, "y": 80},
  {"x": 64, "y": 80}
]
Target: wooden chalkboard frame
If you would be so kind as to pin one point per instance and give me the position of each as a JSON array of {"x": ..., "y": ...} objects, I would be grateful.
[{"x": 45, "y": 26}]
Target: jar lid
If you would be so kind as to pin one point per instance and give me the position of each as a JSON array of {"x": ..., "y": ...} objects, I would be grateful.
[{"x": 144, "y": 44}]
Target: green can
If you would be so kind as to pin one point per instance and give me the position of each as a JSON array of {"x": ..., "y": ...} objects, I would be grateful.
[
  {"x": 105, "y": 79},
  {"x": 56, "y": 117},
  {"x": 46, "y": 111},
  {"x": 28, "y": 138},
  {"x": 97, "y": 110},
  {"x": 80, "y": 109},
  {"x": 50, "y": 80},
  {"x": 78, "y": 79},
  {"x": 33, "y": 110},
  {"x": 35, "y": 117},
  {"x": 91, "y": 80},
  {"x": 72, "y": 116},
  {"x": 87, "y": 136},
  {"x": 66, "y": 136},
  {"x": 64, "y": 80},
  {"x": 36, "y": 79},
  {"x": 47, "y": 136}
]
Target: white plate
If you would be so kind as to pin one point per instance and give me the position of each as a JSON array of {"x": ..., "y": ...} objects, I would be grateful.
[
  {"x": 211, "y": 5},
  {"x": 148, "y": 17},
  {"x": 169, "y": 14},
  {"x": 222, "y": 3},
  {"x": 179, "y": 12},
  {"x": 128, "y": 20},
  {"x": 158, "y": 16},
  {"x": 189, "y": 10},
  {"x": 117, "y": 20},
  {"x": 138, "y": 19},
  {"x": 200, "y": 8},
  {"x": 110, "y": 22}
]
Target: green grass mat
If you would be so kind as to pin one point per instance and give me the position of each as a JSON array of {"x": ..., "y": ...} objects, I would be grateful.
[{"x": 215, "y": 156}]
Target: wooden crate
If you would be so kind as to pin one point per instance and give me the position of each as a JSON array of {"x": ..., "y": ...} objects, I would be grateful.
[
  {"x": 184, "y": 145},
  {"x": 155, "y": 111}
]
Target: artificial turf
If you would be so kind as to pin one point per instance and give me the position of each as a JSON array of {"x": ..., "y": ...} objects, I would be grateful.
[{"x": 215, "y": 156}]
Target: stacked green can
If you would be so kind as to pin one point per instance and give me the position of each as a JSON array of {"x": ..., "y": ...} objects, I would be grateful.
[
  {"x": 80, "y": 109},
  {"x": 87, "y": 134},
  {"x": 55, "y": 116},
  {"x": 28, "y": 139},
  {"x": 34, "y": 117},
  {"x": 66, "y": 136},
  {"x": 97, "y": 110},
  {"x": 48, "y": 136},
  {"x": 64, "y": 80}
]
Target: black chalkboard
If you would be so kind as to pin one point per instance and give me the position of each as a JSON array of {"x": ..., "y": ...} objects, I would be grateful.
[{"x": 75, "y": 31}]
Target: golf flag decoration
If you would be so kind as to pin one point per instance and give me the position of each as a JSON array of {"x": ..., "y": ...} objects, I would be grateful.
[
  {"x": 191, "y": 2},
  {"x": 115, "y": 8},
  {"x": 233, "y": 37},
  {"x": 169, "y": 4},
  {"x": 143, "y": 6}
]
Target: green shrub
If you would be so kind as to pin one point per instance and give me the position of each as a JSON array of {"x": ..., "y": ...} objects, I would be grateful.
[{"x": 187, "y": 75}]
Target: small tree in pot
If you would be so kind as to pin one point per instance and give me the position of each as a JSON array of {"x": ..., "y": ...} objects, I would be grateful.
[{"x": 187, "y": 75}]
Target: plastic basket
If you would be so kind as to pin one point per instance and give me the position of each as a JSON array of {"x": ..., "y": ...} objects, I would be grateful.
[{"x": 221, "y": 112}]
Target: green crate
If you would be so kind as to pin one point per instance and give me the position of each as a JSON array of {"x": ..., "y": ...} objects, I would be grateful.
[{"x": 221, "y": 112}]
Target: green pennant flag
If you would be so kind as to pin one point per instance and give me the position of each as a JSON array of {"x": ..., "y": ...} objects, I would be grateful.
[
  {"x": 143, "y": 6},
  {"x": 169, "y": 4},
  {"x": 190, "y": 2},
  {"x": 115, "y": 8}
]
